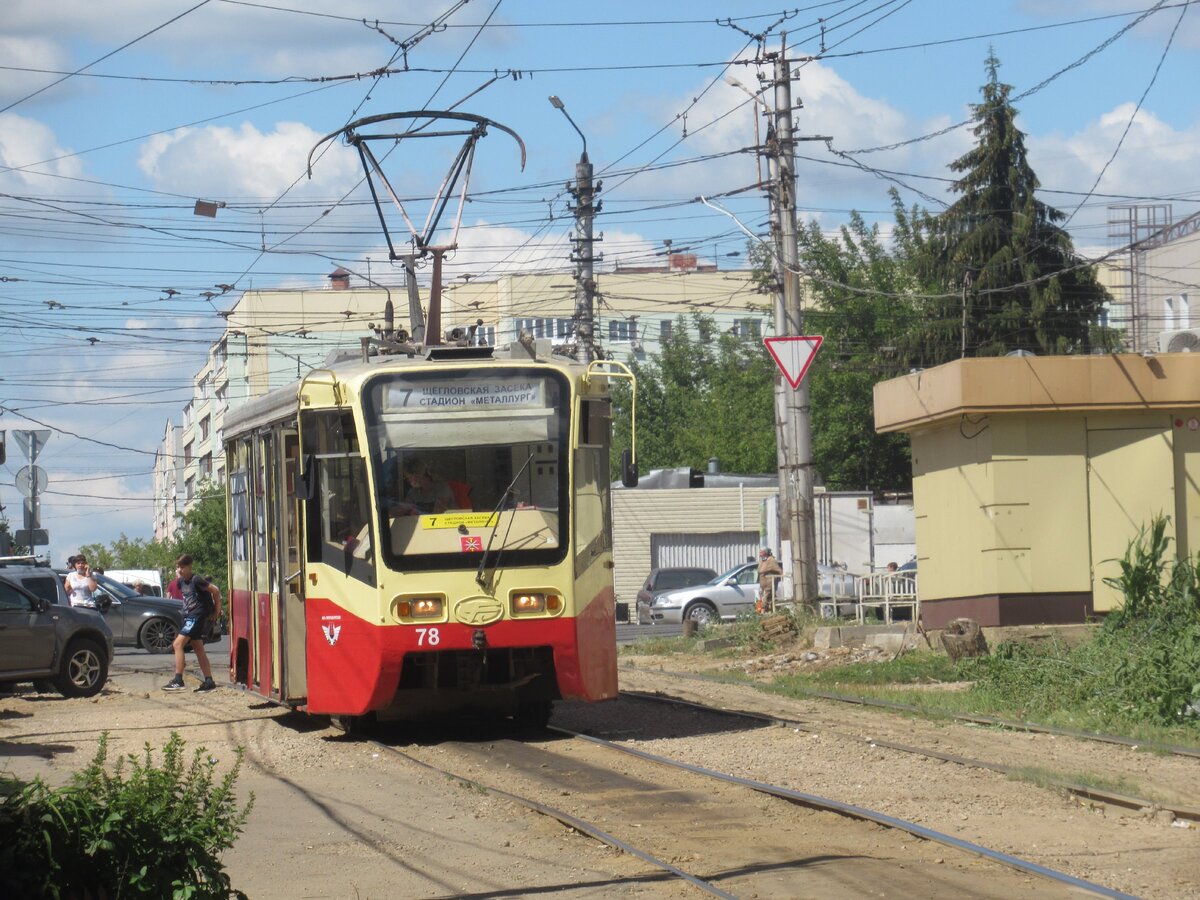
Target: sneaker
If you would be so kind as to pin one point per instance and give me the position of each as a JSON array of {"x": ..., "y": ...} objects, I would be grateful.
[
  {"x": 175, "y": 684},
  {"x": 205, "y": 686}
]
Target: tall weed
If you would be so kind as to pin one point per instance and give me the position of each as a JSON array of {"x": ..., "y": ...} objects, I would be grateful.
[{"x": 1142, "y": 667}]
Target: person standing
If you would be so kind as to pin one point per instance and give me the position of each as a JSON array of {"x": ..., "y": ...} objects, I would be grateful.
[
  {"x": 201, "y": 604},
  {"x": 80, "y": 584},
  {"x": 768, "y": 570}
]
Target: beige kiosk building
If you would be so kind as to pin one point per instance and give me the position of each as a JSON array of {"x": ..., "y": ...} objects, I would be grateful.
[{"x": 1031, "y": 475}]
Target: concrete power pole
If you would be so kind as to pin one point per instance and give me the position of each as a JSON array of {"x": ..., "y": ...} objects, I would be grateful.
[
  {"x": 794, "y": 429},
  {"x": 584, "y": 193}
]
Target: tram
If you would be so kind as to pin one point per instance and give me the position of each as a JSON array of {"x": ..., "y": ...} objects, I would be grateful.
[{"x": 349, "y": 598}]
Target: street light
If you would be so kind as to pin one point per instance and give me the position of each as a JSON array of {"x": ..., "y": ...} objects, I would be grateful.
[{"x": 561, "y": 107}]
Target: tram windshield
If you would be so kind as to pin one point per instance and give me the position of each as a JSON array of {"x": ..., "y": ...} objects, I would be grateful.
[{"x": 466, "y": 463}]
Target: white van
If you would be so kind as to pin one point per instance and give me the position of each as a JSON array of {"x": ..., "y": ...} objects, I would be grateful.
[{"x": 152, "y": 578}]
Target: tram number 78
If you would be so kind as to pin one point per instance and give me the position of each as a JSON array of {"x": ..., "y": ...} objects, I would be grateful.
[{"x": 428, "y": 636}]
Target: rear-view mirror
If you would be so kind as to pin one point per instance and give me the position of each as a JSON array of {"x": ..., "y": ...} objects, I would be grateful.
[
  {"x": 306, "y": 487},
  {"x": 629, "y": 472}
]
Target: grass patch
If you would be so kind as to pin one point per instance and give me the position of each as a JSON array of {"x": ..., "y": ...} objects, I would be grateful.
[{"x": 1046, "y": 778}]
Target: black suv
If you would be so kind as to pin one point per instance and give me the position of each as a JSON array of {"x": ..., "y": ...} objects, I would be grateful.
[{"x": 50, "y": 645}]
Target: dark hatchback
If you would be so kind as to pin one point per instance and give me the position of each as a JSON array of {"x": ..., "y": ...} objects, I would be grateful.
[
  {"x": 52, "y": 646},
  {"x": 668, "y": 579},
  {"x": 136, "y": 620}
]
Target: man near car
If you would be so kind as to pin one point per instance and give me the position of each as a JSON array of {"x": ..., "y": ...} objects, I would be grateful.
[
  {"x": 201, "y": 604},
  {"x": 768, "y": 570}
]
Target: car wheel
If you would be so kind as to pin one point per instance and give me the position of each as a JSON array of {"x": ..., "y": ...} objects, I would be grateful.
[
  {"x": 702, "y": 613},
  {"x": 158, "y": 635},
  {"x": 84, "y": 669}
]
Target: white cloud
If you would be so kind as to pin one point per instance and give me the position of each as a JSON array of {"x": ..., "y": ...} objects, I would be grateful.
[
  {"x": 24, "y": 142},
  {"x": 1155, "y": 160},
  {"x": 28, "y": 53},
  {"x": 220, "y": 162}
]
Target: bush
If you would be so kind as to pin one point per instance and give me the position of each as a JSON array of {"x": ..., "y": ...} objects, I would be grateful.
[{"x": 158, "y": 832}]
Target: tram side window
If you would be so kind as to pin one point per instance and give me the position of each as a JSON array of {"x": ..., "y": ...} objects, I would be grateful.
[
  {"x": 593, "y": 524},
  {"x": 239, "y": 513},
  {"x": 337, "y": 517}
]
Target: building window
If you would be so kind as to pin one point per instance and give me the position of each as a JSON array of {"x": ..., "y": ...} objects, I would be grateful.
[
  {"x": 621, "y": 330},
  {"x": 555, "y": 329},
  {"x": 205, "y": 468},
  {"x": 190, "y": 490},
  {"x": 187, "y": 454},
  {"x": 665, "y": 330},
  {"x": 205, "y": 425},
  {"x": 1183, "y": 312},
  {"x": 747, "y": 328},
  {"x": 202, "y": 389}
]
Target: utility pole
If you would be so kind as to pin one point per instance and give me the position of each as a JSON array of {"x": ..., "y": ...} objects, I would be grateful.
[
  {"x": 584, "y": 193},
  {"x": 793, "y": 421}
]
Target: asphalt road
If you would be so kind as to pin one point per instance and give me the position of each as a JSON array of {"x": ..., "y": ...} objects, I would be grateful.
[{"x": 218, "y": 653}]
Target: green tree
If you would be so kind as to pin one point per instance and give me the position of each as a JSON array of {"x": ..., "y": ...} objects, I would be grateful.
[
  {"x": 202, "y": 535},
  {"x": 1001, "y": 254},
  {"x": 702, "y": 396},
  {"x": 859, "y": 300}
]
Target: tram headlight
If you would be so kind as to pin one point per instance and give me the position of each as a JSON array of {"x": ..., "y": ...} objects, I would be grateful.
[
  {"x": 419, "y": 608},
  {"x": 529, "y": 603}
]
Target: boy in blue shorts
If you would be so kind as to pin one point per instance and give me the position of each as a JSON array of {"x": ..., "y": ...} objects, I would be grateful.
[{"x": 201, "y": 604}]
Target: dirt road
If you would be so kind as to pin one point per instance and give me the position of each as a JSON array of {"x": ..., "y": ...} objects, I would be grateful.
[{"x": 336, "y": 818}]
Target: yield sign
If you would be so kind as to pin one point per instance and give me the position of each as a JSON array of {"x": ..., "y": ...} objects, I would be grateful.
[{"x": 793, "y": 355}]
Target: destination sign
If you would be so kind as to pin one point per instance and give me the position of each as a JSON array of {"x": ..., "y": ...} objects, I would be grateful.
[
  {"x": 459, "y": 395},
  {"x": 453, "y": 520}
]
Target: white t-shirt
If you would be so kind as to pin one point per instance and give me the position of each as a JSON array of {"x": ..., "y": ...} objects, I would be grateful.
[{"x": 81, "y": 593}]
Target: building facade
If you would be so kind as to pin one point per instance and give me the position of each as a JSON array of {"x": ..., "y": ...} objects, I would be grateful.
[{"x": 273, "y": 337}]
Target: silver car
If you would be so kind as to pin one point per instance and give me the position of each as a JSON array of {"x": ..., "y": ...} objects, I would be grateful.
[{"x": 724, "y": 597}]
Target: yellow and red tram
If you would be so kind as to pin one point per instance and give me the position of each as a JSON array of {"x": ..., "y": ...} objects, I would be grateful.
[{"x": 353, "y": 593}]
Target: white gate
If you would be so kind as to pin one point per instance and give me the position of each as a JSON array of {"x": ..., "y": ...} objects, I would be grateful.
[{"x": 718, "y": 550}]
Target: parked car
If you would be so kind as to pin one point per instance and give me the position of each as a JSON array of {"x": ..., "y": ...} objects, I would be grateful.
[
  {"x": 734, "y": 592},
  {"x": 722, "y": 597},
  {"x": 136, "y": 620},
  {"x": 50, "y": 645},
  {"x": 668, "y": 579}
]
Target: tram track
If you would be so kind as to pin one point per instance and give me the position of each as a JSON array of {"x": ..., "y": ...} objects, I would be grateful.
[
  {"x": 491, "y": 764},
  {"x": 770, "y": 874},
  {"x": 991, "y": 721},
  {"x": 1081, "y": 791}
]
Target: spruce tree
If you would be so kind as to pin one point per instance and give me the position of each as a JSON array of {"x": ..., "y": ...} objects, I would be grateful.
[{"x": 1003, "y": 254}]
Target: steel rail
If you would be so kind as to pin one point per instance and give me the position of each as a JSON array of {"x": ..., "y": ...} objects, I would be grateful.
[
  {"x": 1111, "y": 798},
  {"x": 858, "y": 812},
  {"x": 561, "y": 815},
  {"x": 1032, "y": 727},
  {"x": 567, "y": 819}
]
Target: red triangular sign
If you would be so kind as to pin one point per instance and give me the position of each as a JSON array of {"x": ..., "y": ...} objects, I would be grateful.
[{"x": 793, "y": 355}]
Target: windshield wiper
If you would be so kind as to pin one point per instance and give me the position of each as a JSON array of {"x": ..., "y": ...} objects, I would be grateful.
[{"x": 479, "y": 579}]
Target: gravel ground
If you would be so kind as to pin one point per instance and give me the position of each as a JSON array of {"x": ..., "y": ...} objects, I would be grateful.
[{"x": 1144, "y": 853}]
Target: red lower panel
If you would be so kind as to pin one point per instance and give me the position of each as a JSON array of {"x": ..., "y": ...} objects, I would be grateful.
[
  {"x": 354, "y": 666},
  {"x": 264, "y": 667},
  {"x": 239, "y": 631}
]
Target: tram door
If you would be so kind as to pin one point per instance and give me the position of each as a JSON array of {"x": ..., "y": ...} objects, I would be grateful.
[
  {"x": 295, "y": 674},
  {"x": 263, "y": 581}
]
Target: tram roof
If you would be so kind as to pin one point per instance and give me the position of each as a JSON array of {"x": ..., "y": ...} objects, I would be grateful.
[{"x": 281, "y": 403}]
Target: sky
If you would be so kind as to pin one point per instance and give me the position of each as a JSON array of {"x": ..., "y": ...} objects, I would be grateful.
[{"x": 116, "y": 117}]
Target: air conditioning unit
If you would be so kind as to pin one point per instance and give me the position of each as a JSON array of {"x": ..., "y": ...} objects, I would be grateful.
[{"x": 1185, "y": 341}]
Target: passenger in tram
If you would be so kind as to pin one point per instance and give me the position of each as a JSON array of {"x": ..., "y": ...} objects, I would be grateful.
[{"x": 426, "y": 494}]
